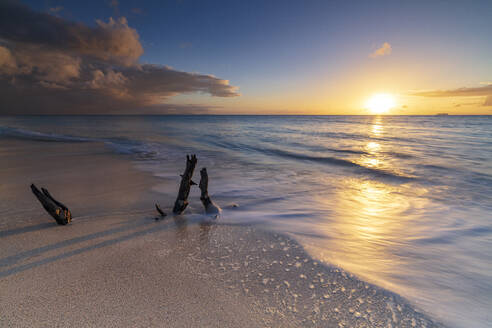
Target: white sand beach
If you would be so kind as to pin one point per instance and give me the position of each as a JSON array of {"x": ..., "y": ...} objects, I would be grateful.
[{"x": 115, "y": 266}]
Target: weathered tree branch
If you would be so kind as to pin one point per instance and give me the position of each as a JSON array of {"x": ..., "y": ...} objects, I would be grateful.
[
  {"x": 184, "y": 188},
  {"x": 57, "y": 210},
  {"x": 161, "y": 212},
  {"x": 210, "y": 207}
]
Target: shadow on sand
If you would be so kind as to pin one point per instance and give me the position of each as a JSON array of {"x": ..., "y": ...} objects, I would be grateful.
[
  {"x": 180, "y": 224},
  {"x": 36, "y": 227}
]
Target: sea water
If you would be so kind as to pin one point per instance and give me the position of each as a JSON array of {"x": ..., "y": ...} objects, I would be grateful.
[{"x": 404, "y": 202}]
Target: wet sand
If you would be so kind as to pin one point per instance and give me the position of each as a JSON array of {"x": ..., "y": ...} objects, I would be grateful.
[{"x": 115, "y": 266}]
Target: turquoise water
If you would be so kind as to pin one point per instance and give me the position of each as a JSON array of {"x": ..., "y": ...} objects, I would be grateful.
[{"x": 403, "y": 202}]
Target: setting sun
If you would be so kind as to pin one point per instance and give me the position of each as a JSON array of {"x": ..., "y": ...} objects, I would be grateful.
[
  {"x": 329, "y": 163},
  {"x": 380, "y": 103}
]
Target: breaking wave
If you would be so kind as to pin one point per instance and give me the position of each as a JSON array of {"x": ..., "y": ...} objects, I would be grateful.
[{"x": 16, "y": 133}]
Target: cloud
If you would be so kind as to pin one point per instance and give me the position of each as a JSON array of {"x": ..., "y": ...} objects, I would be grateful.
[
  {"x": 138, "y": 89},
  {"x": 8, "y": 63},
  {"x": 56, "y": 9},
  {"x": 384, "y": 50},
  {"x": 51, "y": 65},
  {"x": 111, "y": 41},
  {"x": 488, "y": 101},
  {"x": 485, "y": 91}
]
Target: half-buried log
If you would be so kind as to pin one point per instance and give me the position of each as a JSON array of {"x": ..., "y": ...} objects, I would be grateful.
[
  {"x": 186, "y": 183},
  {"x": 210, "y": 207},
  {"x": 57, "y": 210}
]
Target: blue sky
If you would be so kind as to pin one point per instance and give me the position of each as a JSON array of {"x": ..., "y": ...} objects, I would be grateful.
[{"x": 312, "y": 49}]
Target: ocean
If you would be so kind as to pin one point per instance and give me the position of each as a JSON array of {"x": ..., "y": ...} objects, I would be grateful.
[{"x": 403, "y": 202}]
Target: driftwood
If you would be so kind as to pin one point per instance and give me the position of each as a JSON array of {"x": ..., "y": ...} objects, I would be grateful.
[
  {"x": 210, "y": 207},
  {"x": 186, "y": 183},
  {"x": 161, "y": 212},
  {"x": 57, "y": 210}
]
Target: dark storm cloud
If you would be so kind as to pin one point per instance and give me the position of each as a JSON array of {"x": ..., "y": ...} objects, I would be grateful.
[
  {"x": 485, "y": 91},
  {"x": 114, "y": 40},
  {"x": 51, "y": 65}
]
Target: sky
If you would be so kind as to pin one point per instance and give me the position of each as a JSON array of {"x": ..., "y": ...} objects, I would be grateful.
[{"x": 245, "y": 57}]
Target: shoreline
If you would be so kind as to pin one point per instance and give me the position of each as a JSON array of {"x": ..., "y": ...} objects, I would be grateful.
[{"x": 115, "y": 265}]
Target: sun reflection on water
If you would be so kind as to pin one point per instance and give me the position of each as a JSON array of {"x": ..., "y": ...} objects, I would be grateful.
[
  {"x": 377, "y": 126},
  {"x": 373, "y": 157},
  {"x": 373, "y": 147},
  {"x": 371, "y": 220}
]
